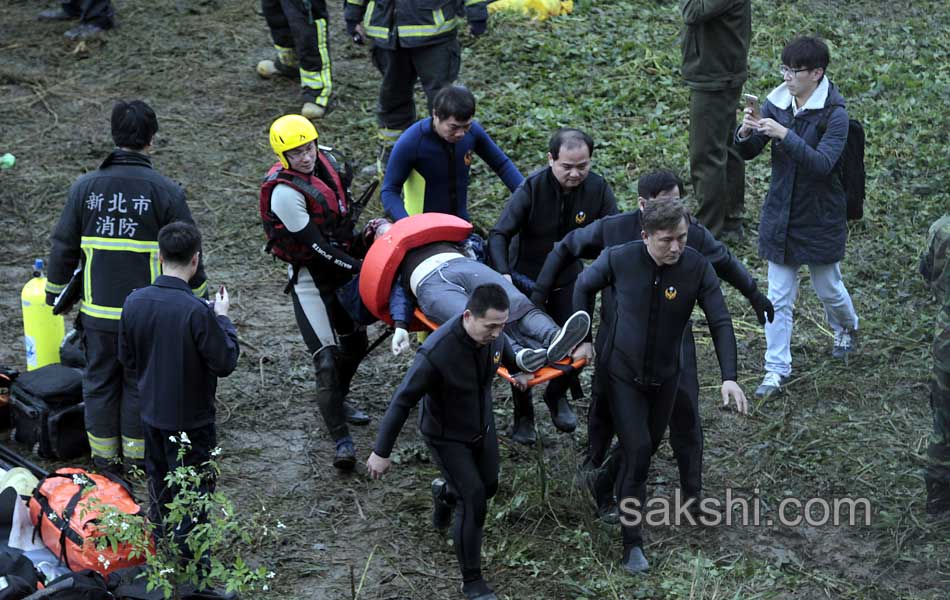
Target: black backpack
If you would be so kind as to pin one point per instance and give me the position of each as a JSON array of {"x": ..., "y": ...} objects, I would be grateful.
[{"x": 850, "y": 165}]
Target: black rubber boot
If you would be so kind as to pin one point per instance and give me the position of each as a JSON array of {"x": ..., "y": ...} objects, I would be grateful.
[
  {"x": 354, "y": 416},
  {"x": 478, "y": 590},
  {"x": 345, "y": 457},
  {"x": 562, "y": 415},
  {"x": 330, "y": 402},
  {"x": 522, "y": 430}
]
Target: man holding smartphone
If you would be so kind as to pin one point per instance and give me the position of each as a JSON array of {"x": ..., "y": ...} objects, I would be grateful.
[
  {"x": 715, "y": 53},
  {"x": 177, "y": 370},
  {"x": 804, "y": 215}
]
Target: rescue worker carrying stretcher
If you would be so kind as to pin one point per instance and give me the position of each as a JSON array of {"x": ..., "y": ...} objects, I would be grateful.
[
  {"x": 651, "y": 288},
  {"x": 305, "y": 208}
]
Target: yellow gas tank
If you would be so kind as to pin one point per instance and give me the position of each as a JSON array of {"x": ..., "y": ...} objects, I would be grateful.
[{"x": 42, "y": 330}]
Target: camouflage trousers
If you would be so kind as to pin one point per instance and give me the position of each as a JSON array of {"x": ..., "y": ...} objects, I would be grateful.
[{"x": 937, "y": 472}]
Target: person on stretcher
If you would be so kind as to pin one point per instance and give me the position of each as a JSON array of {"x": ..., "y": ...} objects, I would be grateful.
[{"x": 439, "y": 277}]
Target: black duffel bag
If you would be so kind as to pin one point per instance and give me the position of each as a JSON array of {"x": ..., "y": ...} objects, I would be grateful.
[{"x": 48, "y": 412}]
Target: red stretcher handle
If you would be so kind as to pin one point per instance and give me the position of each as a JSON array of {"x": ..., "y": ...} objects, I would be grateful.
[{"x": 542, "y": 375}]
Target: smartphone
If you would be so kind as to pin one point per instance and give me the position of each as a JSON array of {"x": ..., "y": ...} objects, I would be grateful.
[{"x": 753, "y": 103}]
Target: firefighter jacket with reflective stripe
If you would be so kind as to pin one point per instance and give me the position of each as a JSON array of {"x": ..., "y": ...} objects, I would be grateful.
[
  {"x": 395, "y": 24},
  {"x": 110, "y": 223}
]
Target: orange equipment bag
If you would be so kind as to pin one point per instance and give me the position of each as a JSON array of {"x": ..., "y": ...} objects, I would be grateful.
[
  {"x": 387, "y": 252},
  {"x": 60, "y": 509}
]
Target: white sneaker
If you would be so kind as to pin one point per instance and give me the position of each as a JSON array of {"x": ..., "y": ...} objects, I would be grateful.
[
  {"x": 771, "y": 384},
  {"x": 845, "y": 341},
  {"x": 530, "y": 360}
]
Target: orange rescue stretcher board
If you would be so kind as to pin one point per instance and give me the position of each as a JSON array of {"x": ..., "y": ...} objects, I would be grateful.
[
  {"x": 387, "y": 253},
  {"x": 542, "y": 375}
]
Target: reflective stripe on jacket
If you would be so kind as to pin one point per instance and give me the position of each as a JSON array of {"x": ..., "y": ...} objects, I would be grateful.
[
  {"x": 413, "y": 23},
  {"x": 111, "y": 222}
]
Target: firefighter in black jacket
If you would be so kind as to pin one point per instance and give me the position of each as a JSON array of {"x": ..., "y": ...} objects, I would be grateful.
[
  {"x": 110, "y": 227},
  {"x": 654, "y": 285},
  {"x": 452, "y": 374},
  {"x": 550, "y": 203},
  {"x": 686, "y": 434},
  {"x": 305, "y": 210},
  {"x": 412, "y": 40}
]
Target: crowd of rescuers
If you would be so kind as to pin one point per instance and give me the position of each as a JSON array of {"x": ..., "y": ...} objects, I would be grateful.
[
  {"x": 529, "y": 306},
  {"x": 522, "y": 300}
]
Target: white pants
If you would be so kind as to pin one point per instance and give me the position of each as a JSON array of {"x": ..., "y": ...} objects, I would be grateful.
[{"x": 783, "y": 288}]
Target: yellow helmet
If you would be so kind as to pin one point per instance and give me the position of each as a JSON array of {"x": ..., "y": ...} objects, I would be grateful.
[{"x": 289, "y": 132}]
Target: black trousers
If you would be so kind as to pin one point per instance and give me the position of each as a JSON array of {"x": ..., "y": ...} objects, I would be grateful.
[
  {"x": 110, "y": 393},
  {"x": 641, "y": 415},
  {"x": 336, "y": 343},
  {"x": 302, "y": 42},
  {"x": 471, "y": 471},
  {"x": 161, "y": 458},
  {"x": 559, "y": 307},
  {"x": 436, "y": 66},
  {"x": 94, "y": 12},
  {"x": 686, "y": 429}
]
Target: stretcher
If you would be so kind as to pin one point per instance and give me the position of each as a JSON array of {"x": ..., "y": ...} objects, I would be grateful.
[{"x": 381, "y": 265}]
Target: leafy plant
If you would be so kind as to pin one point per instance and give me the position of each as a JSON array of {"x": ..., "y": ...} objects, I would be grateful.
[{"x": 207, "y": 554}]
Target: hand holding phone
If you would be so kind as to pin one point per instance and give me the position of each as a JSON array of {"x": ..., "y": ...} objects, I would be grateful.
[
  {"x": 750, "y": 115},
  {"x": 221, "y": 302},
  {"x": 752, "y": 106}
]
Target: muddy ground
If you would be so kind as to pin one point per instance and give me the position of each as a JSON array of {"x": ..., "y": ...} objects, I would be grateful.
[{"x": 854, "y": 431}]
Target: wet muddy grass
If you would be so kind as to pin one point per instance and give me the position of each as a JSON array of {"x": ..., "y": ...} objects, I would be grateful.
[{"x": 855, "y": 431}]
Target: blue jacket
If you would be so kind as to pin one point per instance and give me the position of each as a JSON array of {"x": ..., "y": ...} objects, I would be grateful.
[
  {"x": 178, "y": 347},
  {"x": 420, "y": 149},
  {"x": 804, "y": 216}
]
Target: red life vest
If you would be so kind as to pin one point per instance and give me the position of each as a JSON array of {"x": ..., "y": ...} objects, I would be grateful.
[
  {"x": 327, "y": 207},
  {"x": 387, "y": 253}
]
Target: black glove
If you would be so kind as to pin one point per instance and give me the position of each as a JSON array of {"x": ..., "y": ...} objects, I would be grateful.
[
  {"x": 539, "y": 297},
  {"x": 50, "y": 299},
  {"x": 762, "y": 306},
  {"x": 478, "y": 27}
]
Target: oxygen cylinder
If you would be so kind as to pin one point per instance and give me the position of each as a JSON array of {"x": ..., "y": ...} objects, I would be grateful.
[{"x": 42, "y": 330}]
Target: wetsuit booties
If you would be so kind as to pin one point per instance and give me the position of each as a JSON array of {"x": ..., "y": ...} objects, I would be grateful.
[{"x": 478, "y": 590}]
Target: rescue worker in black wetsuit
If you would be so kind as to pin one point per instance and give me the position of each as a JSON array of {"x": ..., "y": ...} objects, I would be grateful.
[
  {"x": 452, "y": 374},
  {"x": 551, "y": 202},
  {"x": 653, "y": 287},
  {"x": 686, "y": 434}
]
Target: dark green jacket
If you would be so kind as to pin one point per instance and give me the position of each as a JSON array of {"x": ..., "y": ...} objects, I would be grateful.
[
  {"x": 413, "y": 23},
  {"x": 716, "y": 43}
]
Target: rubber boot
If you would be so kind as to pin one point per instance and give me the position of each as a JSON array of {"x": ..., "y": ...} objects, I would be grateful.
[
  {"x": 562, "y": 415},
  {"x": 349, "y": 353},
  {"x": 522, "y": 430},
  {"x": 330, "y": 402}
]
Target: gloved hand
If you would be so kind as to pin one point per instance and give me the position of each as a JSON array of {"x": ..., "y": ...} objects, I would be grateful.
[
  {"x": 400, "y": 341},
  {"x": 478, "y": 27},
  {"x": 539, "y": 297},
  {"x": 50, "y": 299},
  {"x": 762, "y": 306}
]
